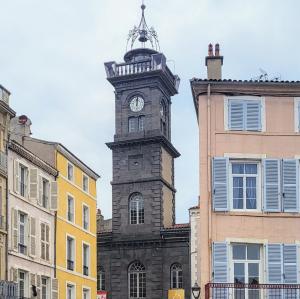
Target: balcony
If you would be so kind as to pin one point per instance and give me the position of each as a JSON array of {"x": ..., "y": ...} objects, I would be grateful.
[
  {"x": 86, "y": 270},
  {"x": 251, "y": 291},
  {"x": 70, "y": 265},
  {"x": 3, "y": 161},
  {"x": 8, "y": 290}
]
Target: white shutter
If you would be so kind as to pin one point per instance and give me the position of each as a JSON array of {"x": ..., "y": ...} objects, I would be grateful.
[
  {"x": 236, "y": 115},
  {"x": 16, "y": 176},
  {"x": 220, "y": 184},
  {"x": 14, "y": 227},
  {"x": 290, "y": 168},
  {"x": 33, "y": 183},
  {"x": 40, "y": 198},
  {"x": 47, "y": 242},
  {"x": 272, "y": 195},
  {"x": 32, "y": 238},
  {"x": 53, "y": 196},
  {"x": 274, "y": 263},
  {"x": 253, "y": 115},
  {"x": 14, "y": 275},
  {"x": 38, "y": 286},
  {"x": 54, "y": 288}
]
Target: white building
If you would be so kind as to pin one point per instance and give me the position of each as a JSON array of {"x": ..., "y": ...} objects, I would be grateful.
[{"x": 32, "y": 201}]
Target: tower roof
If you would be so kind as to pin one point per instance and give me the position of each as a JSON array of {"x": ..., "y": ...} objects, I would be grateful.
[{"x": 143, "y": 34}]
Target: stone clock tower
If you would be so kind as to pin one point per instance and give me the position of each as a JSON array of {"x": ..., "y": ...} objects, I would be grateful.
[{"x": 145, "y": 254}]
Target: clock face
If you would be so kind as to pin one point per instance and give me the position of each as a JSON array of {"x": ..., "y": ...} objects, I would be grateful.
[{"x": 136, "y": 103}]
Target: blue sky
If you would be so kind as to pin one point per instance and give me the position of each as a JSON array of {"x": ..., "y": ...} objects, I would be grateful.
[{"x": 52, "y": 55}]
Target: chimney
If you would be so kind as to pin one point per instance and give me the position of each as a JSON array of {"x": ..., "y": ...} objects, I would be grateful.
[
  {"x": 214, "y": 63},
  {"x": 20, "y": 128}
]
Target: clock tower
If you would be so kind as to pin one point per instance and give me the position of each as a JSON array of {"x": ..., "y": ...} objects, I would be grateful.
[{"x": 144, "y": 243}]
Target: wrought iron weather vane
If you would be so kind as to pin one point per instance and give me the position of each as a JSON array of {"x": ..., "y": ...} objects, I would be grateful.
[{"x": 143, "y": 34}]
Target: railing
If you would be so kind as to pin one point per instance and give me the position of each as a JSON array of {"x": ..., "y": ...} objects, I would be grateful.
[
  {"x": 8, "y": 290},
  {"x": 3, "y": 161},
  {"x": 70, "y": 265},
  {"x": 123, "y": 69},
  {"x": 251, "y": 291}
]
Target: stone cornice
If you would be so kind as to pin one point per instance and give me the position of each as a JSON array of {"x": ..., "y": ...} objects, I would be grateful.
[{"x": 4, "y": 107}]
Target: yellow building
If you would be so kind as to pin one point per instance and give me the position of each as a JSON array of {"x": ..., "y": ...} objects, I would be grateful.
[{"x": 76, "y": 248}]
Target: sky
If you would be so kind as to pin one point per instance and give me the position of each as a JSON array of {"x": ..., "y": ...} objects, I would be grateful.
[{"x": 52, "y": 54}]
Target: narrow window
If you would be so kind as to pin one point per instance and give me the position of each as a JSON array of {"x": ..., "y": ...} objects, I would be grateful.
[
  {"x": 101, "y": 279},
  {"x": 136, "y": 209},
  {"x": 141, "y": 123},
  {"x": 176, "y": 276},
  {"x": 45, "y": 287},
  {"x": 45, "y": 193},
  {"x": 70, "y": 172},
  {"x": 137, "y": 280},
  {"x": 23, "y": 233},
  {"x": 86, "y": 216},
  {"x": 23, "y": 180},
  {"x": 86, "y": 294},
  {"x": 85, "y": 183},
  {"x": 132, "y": 124},
  {"x": 70, "y": 291},
  {"x": 45, "y": 242},
  {"x": 22, "y": 284},
  {"x": 70, "y": 253},
  {"x": 86, "y": 253},
  {"x": 70, "y": 215}
]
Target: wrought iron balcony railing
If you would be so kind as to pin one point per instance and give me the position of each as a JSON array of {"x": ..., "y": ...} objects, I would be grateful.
[
  {"x": 251, "y": 291},
  {"x": 70, "y": 265}
]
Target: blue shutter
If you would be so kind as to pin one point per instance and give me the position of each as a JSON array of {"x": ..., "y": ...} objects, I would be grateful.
[
  {"x": 220, "y": 262},
  {"x": 220, "y": 184},
  {"x": 290, "y": 264},
  {"x": 272, "y": 196},
  {"x": 274, "y": 263},
  {"x": 236, "y": 112},
  {"x": 290, "y": 185},
  {"x": 253, "y": 115}
]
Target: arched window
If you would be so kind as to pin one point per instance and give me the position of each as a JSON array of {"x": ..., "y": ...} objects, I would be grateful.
[
  {"x": 136, "y": 209},
  {"x": 101, "y": 279},
  {"x": 137, "y": 280},
  {"x": 176, "y": 276}
]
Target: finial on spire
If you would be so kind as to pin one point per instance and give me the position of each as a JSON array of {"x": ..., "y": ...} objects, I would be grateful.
[{"x": 143, "y": 33}]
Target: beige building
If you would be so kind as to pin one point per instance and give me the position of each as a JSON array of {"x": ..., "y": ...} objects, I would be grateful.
[
  {"x": 247, "y": 226},
  {"x": 6, "y": 113}
]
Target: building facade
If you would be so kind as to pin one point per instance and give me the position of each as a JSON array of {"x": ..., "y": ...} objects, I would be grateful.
[
  {"x": 32, "y": 202},
  {"x": 249, "y": 184},
  {"x": 6, "y": 113},
  {"x": 76, "y": 249},
  {"x": 145, "y": 255}
]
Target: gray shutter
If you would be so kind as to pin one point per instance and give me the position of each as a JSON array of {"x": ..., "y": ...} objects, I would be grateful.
[
  {"x": 38, "y": 286},
  {"x": 220, "y": 184},
  {"x": 253, "y": 115},
  {"x": 290, "y": 263},
  {"x": 47, "y": 231},
  {"x": 236, "y": 112},
  {"x": 272, "y": 182},
  {"x": 274, "y": 263},
  {"x": 54, "y": 288},
  {"x": 290, "y": 185},
  {"x": 220, "y": 262},
  {"x": 33, "y": 183},
  {"x": 14, "y": 227},
  {"x": 32, "y": 237},
  {"x": 16, "y": 177},
  {"x": 53, "y": 196}
]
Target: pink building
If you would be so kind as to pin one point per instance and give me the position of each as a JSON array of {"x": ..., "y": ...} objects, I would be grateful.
[{"x": 247, "y": 226}]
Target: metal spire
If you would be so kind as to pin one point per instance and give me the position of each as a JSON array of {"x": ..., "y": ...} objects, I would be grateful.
[{"x": 143, "y": 33}]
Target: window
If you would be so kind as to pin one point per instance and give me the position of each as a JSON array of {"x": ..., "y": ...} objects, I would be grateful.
[
  {"x": 141, "y": 123},
  {"x": 23, "y": 180},
  {"x": 70, "y": 172},
  {"x": 86, "y": 259},
  {"x": 23, "y": 233},
  {"x": 176, "y": 276},
  {"x": 70, "y": 215},
  {"x": 246, "y": 268},
  {"x": 137, "y": 280},
  {"x": 45, "y": 193},
  {"x": 86, "y": 294},
  {"x": 70, "y": 253},
  {"x": 101, "y": 279},
  {"x": 45, "y": 288},
  {"x": 70, "y": 291},
  {"x": 244, "y": 185},
  {"x": 22, "y": 282},
  {"x": 85, "y": 183},
  {"x": 136, "y": 124},
  {"x": 136, "y": 207},
  {"x": 45, "y": 242},
  {"x": 86, "y": 216},
  {"x": 244, "y": 115}
]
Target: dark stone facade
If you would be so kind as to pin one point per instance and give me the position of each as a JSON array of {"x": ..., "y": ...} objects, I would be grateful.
[{"x": 144, "y": 162}]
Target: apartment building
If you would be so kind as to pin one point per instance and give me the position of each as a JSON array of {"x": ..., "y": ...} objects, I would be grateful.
[
  {"x": 32, "y": 202},
  {"x": 6, "y": 113},
  {"x": 248, "y": 219},
  {"x": 76, "y": 249}
]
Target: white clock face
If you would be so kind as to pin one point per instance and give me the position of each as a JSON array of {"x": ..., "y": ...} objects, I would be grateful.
[{"x": 136, "y": 104}]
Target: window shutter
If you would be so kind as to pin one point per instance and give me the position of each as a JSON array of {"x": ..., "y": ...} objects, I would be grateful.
[
  {"x": 40, "y": 195},
  {"x": 53, "y": 197},
  {"x": 16, "y": 176},
  {"x": 32, "y": 236},
  {"x": 236, "y": 115},
  {"x": 272, "y": 195},
  {"x": 253, "y": 115},
  {"x": 290, "y": 185},
  {"x": 220, "y": 184},
  {"x": 274, "y": 263},
  {"x": 290, "y": 263},
  {"x": 32, "y": 280},
  {"x": 38, "y": 286},
  {"x": 54, "y": 288},
  {"x": 47, "y": 243},
  {"x": 220, "y": 262},
  {"x": 33, "y": 183},
  {"x": 14, "y": 275},
  {"x": 14, "y": 227}
]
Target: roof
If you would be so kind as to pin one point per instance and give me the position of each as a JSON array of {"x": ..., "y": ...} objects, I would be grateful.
[
  {"x": 245, "y": 81},
  {"x": 178, "y": 226},
  {"x": 194, "y": 208}
]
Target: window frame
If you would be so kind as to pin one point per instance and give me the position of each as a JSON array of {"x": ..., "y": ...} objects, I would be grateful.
[
  {"x": 26, "y": 179},
  {"x": 73, "y": 288},
  {"x": 139, "y": 219},
  {"x": 84, "y": 176},
  {"x": 73, "y": 252},
  {"x": 177, "y": 276},
  {"x": 88, "y": 290},
  {"x": 244, "y": 98},
  {"x": 86, "y": 245},
  {"x": 137, "y": 273},
  {"x": 47, "y": 287},
  {"x": 85, "y": 206},
  {"x": 45, "y": 242},
  {"x": 69, "y": 164},
  {"x": 26, "y": 228},
  {"x": 25, "y": 281},
  {"x": 47, "y": 181},
  {"x": 68, "y": 213},
  {"x": 101, "y": 278}
]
